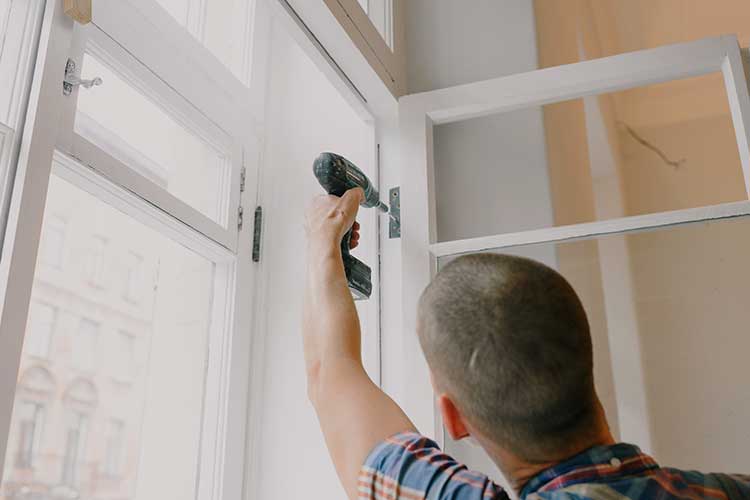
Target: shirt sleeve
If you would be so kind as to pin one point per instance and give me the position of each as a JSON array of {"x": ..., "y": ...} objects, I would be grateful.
[{"x": 409, "y": 466}]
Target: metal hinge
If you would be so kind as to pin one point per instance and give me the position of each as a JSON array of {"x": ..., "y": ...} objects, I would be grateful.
[
  {"x": 240, "y": 214},
  {"x": 257, "y": 229},
  {"x": 394, "y": 219},
  {"x": 243, "y": 176}
]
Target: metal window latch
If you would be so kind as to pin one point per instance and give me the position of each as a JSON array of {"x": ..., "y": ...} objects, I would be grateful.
[{"x": 71, "y": 80}]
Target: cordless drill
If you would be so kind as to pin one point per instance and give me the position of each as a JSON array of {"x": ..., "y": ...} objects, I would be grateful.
[{"x": 337, "y": 175}]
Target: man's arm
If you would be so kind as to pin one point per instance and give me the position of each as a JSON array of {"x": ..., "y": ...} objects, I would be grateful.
[{"x": 354, "y": 414}]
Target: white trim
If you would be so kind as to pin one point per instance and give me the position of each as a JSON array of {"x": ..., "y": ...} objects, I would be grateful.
[
  {"x": 592, "y": 229},
  {"x": 419, "y": 113},
  {"x": 735, "y": 79},
  {"x": 571, "y": 81},
  {"x": 127, "y": 178}
]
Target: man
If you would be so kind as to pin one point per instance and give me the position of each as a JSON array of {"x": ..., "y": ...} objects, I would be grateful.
[{"x": 508, "y": 346}]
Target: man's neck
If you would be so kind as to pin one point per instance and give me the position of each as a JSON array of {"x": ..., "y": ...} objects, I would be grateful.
[{"x": 519, "y": 471}]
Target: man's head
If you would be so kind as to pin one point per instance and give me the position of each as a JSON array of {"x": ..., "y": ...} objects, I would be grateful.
[{"x": 509, "y": 348}]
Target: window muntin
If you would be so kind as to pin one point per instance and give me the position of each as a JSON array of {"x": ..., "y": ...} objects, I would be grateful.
[{"x": 118, "y": 118}]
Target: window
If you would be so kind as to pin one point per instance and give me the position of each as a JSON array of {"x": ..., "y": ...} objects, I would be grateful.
[
  {"x": 97, "y": 263},
  {"x": 642, "y": 297},
  {"x": 123, "y": 356},
  {"x": 165, "y": 148},
  {"x": 75, "y": 447},
  {"x": 114, "y": 447},
  {"x": 133, "y": 277},
  {"x": 52, "y": 246},
  {"x": 173, "y": 199},
  {"x": 161, "y": 406},
  {"x": 84, "y": 345},
  {"x": 30, "y": 420},
  {"x": 42, "y": 320}
]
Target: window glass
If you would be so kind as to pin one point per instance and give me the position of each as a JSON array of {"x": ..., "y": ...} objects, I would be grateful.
[
  {"x": 125, "y": 123},
  {"x": 675, "y": 298},
  {"x": 103, "y": 438},
  {"x": 639, "y": 151}
]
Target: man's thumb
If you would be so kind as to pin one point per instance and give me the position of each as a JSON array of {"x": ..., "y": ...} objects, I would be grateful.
[{"x": 351, "y": 200}]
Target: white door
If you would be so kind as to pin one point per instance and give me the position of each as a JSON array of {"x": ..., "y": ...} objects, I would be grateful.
[
  {"x": 642, "y": 279},
  {"x": 306, "y": 115}
]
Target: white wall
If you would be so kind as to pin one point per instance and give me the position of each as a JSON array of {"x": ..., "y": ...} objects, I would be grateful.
[
  {"x": 305, "y": 115},
  {"x": 490, "y": 173}
]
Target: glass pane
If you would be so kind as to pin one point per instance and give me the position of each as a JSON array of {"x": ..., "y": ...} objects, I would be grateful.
[
  {"x": 577, "y": 30},
  {"x": 681, "y": 293},
  {"x": 109, "y": 399},
  {"x": 644, "y": 150},
  {"x": 121, "y": 120}
]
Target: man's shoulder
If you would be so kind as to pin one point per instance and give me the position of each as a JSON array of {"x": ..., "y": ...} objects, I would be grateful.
[{"x": 409, "y": 466}]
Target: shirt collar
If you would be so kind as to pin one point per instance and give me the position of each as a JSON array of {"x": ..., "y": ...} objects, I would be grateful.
[{"x": 599, "y": 462}]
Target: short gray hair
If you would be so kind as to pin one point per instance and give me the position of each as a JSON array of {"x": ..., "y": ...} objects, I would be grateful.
[{"x": 508, "y": 339}]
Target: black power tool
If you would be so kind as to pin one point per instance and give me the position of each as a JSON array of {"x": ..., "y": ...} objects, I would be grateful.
[{"x": 337, "y": 175}]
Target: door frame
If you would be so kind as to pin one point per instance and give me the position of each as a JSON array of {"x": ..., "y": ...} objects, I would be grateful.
[{"x": 419, "y": 113}]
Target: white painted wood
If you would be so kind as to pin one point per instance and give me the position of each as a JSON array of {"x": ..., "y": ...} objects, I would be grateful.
[
  {"x": 571, "y": 81},
  {"x": 418, "y": 266},
  {"x": 736, "y": 81},
  {"x": 27, "y": 203},
  {"x": 592, "y": 229}
]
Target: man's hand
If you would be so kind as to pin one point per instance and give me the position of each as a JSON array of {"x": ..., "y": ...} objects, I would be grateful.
[
  {"x": 330, "y": 217},
  {"x": 354, "y": 413}
]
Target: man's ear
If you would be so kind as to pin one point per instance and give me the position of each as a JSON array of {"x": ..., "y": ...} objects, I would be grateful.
[{"x": 452, "y": 418}]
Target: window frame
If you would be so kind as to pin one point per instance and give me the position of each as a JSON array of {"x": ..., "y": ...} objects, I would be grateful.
[
  {"x": 419, "y": 113},
  {"x": 91, "y": 39},
  {"x": 43, "y": 153}
]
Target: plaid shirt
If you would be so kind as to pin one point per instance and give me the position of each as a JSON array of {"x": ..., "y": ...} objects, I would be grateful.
[{"x": 408, "y": 466}]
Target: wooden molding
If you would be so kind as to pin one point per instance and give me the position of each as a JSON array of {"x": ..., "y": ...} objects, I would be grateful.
[{"x": 79, "y": 10}]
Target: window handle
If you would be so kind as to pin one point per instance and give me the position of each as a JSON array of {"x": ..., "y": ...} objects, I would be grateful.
[{"x": 71, "y": 80}]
